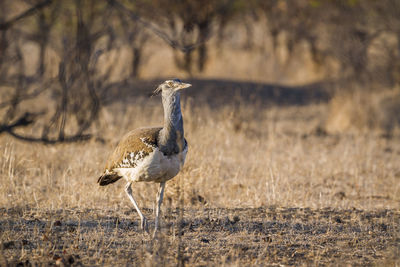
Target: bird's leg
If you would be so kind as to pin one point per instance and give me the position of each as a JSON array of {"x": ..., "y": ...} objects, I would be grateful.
[
  {"x": 128, "y": 190},
  {"x": 160, "y": 196}
]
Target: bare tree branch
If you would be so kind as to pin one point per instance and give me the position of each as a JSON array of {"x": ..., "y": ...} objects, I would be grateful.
[
  {"x": 164, "y": 36},
  {"x": 23, "y": 121},
  {"x": 66, "y": 139},
  {"x": 6, "y": 25}
]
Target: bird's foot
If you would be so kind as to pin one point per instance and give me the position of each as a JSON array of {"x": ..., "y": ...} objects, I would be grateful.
[{"x": 144, "y": 225}]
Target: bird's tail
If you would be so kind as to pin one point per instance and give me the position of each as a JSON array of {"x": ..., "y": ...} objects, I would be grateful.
[{"x": 108, "y": 178}]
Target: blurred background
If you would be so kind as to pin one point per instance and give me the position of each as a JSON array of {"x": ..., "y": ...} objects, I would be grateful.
[
  {"x": 320, "y": 77},
  {"x": 85, "y": 53}
]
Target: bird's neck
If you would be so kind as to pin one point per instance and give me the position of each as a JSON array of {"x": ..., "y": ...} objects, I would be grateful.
[{"x": 171, "y": 139}]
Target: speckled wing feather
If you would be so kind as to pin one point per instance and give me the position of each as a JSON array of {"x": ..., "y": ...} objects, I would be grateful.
[{"x": 134, "y": 146}]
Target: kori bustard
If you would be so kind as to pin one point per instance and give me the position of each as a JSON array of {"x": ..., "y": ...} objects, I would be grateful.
[{"x": 151, "y": 154}]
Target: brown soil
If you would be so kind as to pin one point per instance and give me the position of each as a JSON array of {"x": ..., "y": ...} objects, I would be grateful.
[{"x": 260, "y": 236}]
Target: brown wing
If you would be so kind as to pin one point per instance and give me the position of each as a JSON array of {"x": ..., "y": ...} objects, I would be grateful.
[{"x": 133, "y": 146}]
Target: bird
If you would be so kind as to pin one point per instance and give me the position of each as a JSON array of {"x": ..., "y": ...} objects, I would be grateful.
[{"x": 151, "y": 154}]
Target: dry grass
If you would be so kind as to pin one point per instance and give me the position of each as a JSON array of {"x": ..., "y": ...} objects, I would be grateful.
[
  {"x": 240, "y": 156},
  {"x": 359, "y": 111}
]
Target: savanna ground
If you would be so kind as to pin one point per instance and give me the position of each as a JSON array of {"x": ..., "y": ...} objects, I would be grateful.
[{"x": 263, "y": 184}]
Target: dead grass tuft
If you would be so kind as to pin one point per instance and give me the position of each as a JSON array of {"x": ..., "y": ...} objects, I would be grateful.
[{"x": 360, "y": 111}]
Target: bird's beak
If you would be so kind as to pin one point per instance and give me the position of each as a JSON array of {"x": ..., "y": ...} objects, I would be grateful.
[{"x": 183, "y": 86}]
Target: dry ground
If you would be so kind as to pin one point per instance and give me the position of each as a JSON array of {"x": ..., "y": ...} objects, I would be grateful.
[
  {"x": 246, "y": 236},
  {"x": 262, "y": 185}
]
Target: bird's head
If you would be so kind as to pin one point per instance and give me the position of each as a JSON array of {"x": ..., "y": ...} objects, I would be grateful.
[{"x": 171, "y": 86}]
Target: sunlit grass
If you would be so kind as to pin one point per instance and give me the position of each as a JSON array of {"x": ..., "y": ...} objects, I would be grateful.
[{"x": 238, "y": 157}]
